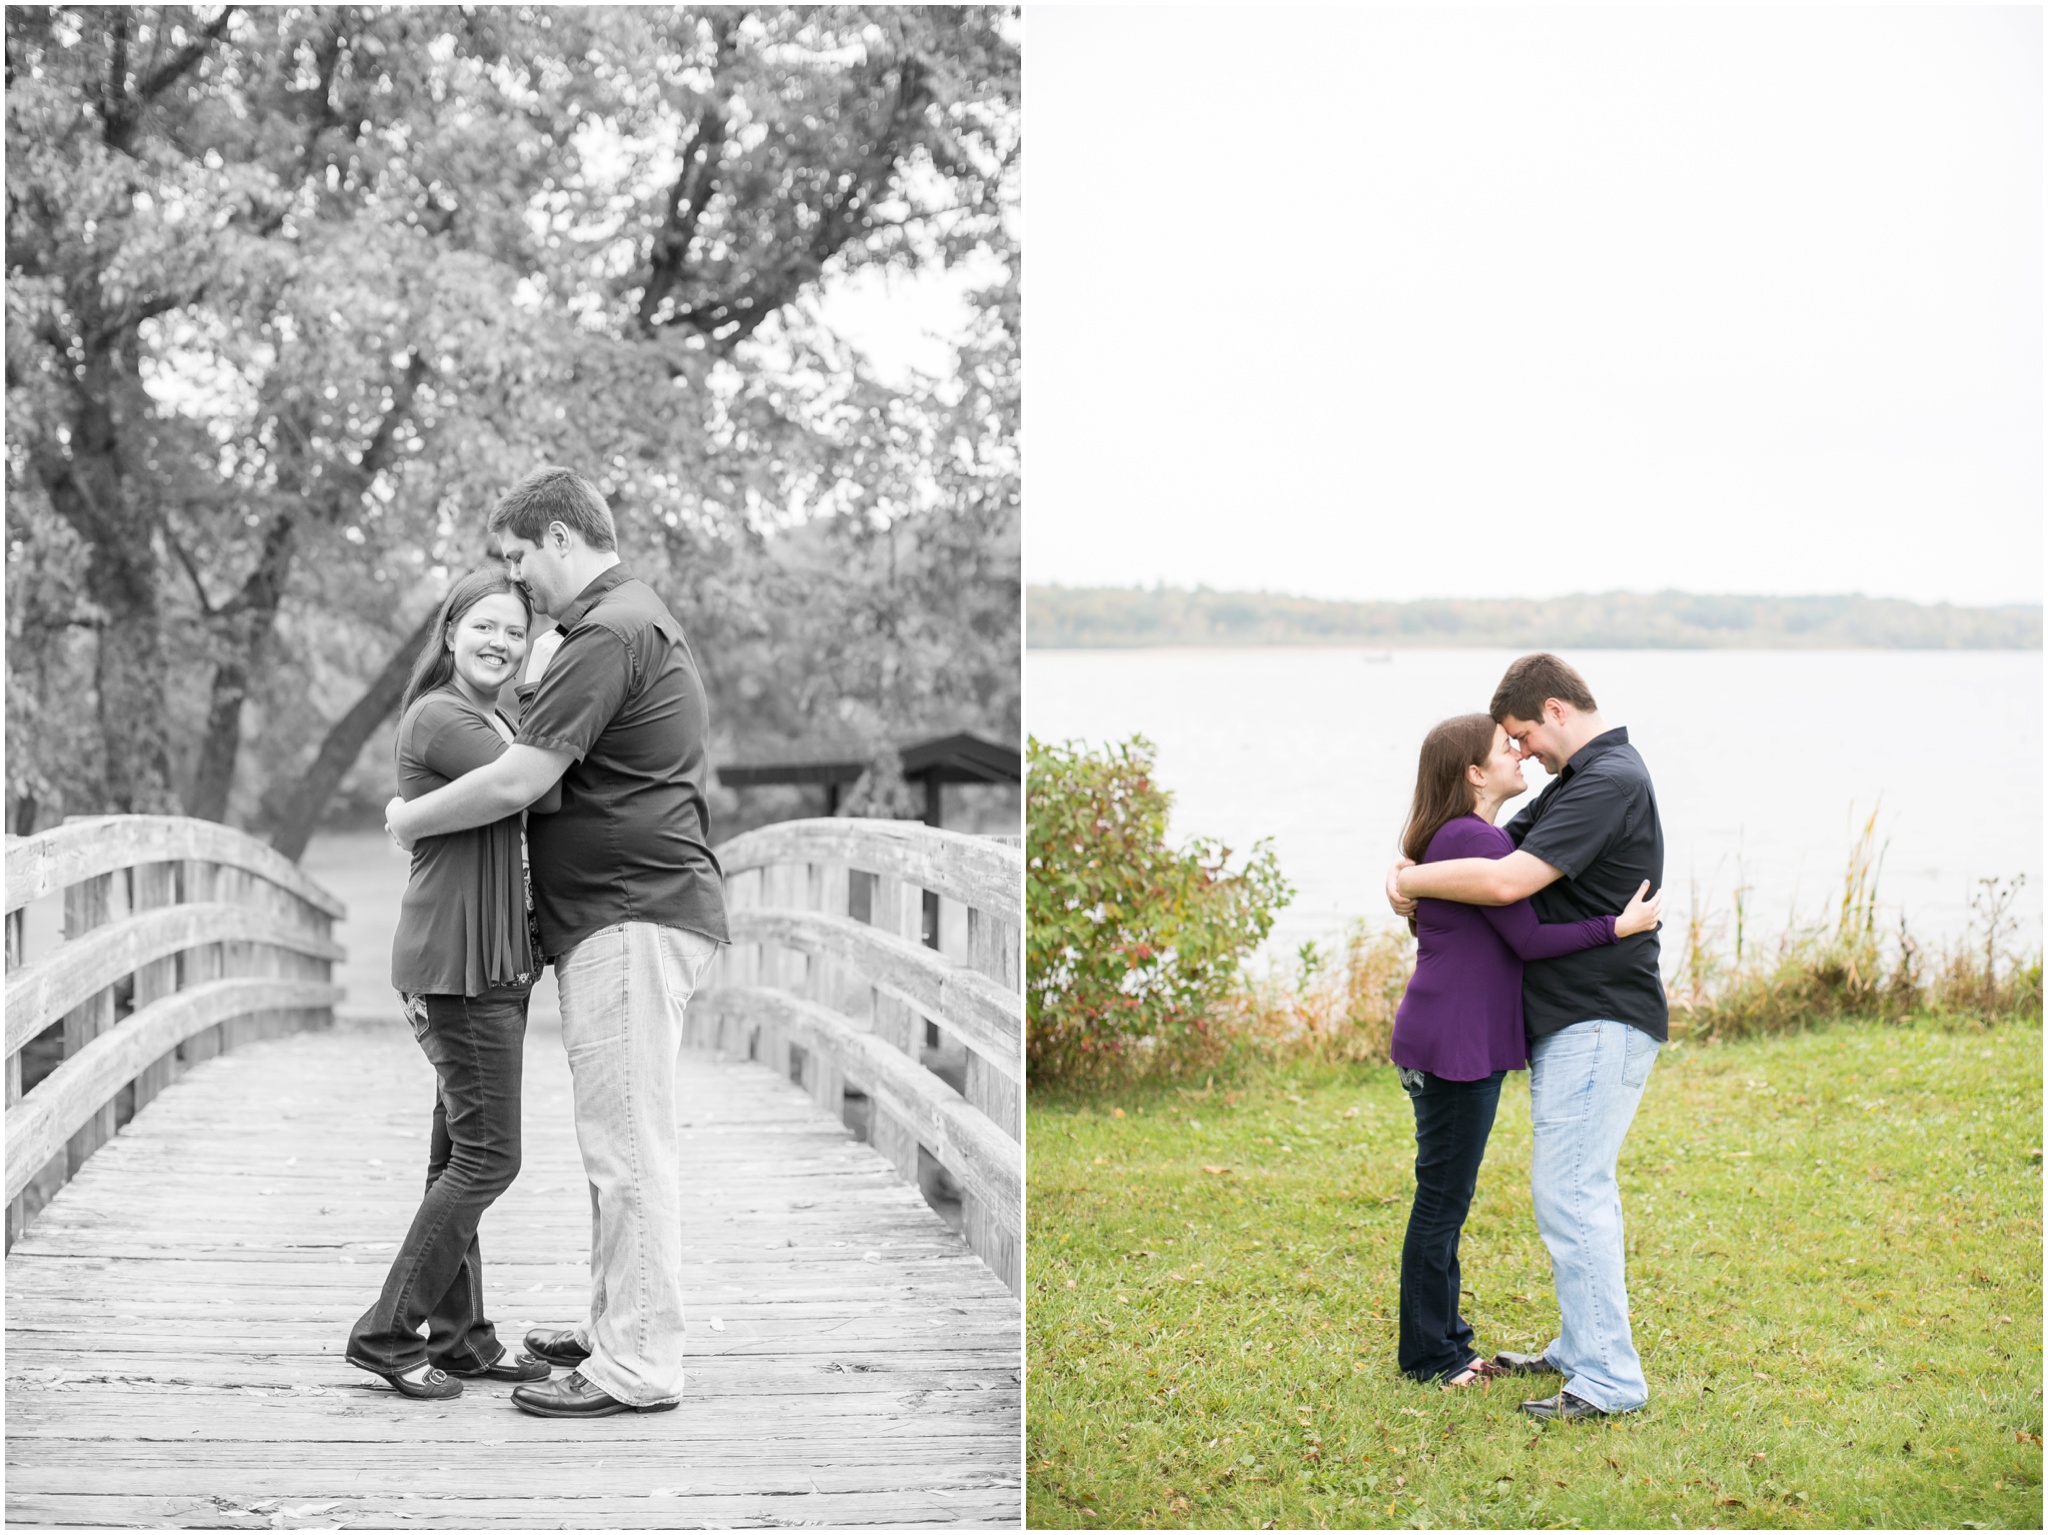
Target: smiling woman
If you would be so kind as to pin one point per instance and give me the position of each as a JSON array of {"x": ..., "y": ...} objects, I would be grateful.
[{"x": 465, "y": 959}]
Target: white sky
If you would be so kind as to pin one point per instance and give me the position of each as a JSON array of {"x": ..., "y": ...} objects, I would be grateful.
[{"x": 1386, "y": 303}]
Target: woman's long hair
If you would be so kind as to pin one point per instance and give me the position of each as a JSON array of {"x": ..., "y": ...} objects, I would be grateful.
[
  {"x": 436, "y": 663},
  {"x": 1442, "y": 792}
]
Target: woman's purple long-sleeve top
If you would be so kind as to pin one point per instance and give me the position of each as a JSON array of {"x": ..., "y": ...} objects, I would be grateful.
[{"x": 1462, "y": 1015}]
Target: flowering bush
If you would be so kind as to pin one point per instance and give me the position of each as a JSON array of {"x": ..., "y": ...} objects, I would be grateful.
[{"x": 1131, "y": 946}]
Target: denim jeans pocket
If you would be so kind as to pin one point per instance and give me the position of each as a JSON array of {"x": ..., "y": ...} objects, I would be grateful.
[
  {"x": 415, "y": 1007},
  {"x": 1640, "y": 1056}
]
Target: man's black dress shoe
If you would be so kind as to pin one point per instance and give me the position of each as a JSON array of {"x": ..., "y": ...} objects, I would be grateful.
[
  {"x": 1527, "y": 1364},
  {"x": 574, "y": 1397},
  {"x": 557, "y": 1347},
  {"x": 1563, "y": 1405},
  {"x": 505, "y": 1367},
  {"x": 436, "y": 1385}
]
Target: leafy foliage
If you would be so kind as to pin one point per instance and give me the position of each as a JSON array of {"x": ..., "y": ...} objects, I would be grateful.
[
  {"x": 1085, "y": 617},
  {"x": 295, "y": 291},
  {"x": 1131, "y": 944}
]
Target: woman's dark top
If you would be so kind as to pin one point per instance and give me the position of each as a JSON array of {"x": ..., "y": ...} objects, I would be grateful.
[
  {"x": 462, "y": 928},
  {"x": 1462, "y": 1015}
]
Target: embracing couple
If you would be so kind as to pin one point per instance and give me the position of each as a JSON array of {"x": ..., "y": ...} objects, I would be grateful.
[
  {"x": 1537, "y": 948},
  {"x": 601, "y": 780}
]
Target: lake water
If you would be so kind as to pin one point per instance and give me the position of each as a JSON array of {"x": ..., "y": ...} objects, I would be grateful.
[{"x": 1766, "y": 763}]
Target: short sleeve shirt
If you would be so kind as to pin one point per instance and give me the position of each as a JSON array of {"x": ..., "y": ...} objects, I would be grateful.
[
  {"x": 1596, "y": 822},
  {"x": 462, "y": 923},
  {"x": 632, "y": 842}
]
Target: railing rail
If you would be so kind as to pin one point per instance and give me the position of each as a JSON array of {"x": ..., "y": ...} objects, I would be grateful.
[
  {"x": 181, "y": 939},
  {"x": 879, "y": 965}
]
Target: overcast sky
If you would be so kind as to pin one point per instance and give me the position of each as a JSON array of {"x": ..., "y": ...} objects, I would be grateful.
[{"x": 1386, "y": 303}]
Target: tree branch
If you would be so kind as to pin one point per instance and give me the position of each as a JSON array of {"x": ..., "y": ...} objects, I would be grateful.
[
  {"x": 191, "y": 569},
  {"x": 168, "y": 72}
]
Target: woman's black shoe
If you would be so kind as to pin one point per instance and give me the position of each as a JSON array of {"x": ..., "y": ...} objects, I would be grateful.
[
  {"x": 505, "y": 1367},
  {"x": 437, "y": 1385}
]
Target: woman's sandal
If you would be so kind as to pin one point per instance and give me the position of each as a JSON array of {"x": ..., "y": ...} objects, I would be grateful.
[
  {"x": 1478, "y": 1371},
  {"x": 423, "y": 1382}
]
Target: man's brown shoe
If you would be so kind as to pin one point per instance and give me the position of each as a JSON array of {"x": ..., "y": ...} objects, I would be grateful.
[
  {"x": 574, "y": 1397},
  {"x": 556, "y": 1346}
]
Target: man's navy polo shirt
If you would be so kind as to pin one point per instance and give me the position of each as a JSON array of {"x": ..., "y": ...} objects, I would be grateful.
[
  {"x": 631, "y": 842},
  {"x": 1597, "y": 822}
]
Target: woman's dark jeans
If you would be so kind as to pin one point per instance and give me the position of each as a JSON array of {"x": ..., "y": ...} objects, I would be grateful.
[
  {"x": 1452, "y": 1122},
  {"x": 477, "y": 1045}
]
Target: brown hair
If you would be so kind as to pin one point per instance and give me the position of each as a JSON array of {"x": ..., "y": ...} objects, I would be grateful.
[
  {"x": 554, "y": 494},
  {"x": 1529, "y": 682},
  {"x": 1442, "y": 793},
  {"x": 434, "y": 666}
]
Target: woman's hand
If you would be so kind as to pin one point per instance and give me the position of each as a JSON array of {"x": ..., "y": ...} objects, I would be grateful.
[
  {"x": 393, "y": 809},
  {"x": 1403, "y": 905},
  {"x": 1643, "y": 912}
]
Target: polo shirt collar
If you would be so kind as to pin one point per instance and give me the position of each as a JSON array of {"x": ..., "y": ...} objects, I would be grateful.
[
  {"x": 604, "y": 581},
  {"x": 1599, "y": 746}
]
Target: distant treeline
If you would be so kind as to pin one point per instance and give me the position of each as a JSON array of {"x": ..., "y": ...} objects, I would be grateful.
[{"x": 1092, "y": 617}]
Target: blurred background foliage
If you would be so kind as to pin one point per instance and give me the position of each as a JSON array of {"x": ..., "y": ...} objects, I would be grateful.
[{"x": 294, "y": 292}]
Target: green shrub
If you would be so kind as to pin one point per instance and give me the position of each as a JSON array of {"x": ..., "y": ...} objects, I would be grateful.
[{"x": 1131, "y": 946}]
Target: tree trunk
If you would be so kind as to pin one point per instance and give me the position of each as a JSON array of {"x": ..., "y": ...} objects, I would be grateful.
[
  {"x": 250, "y": 620},
  {"x": 301, "y": 813},
  {"x": 89, "y": 490}
]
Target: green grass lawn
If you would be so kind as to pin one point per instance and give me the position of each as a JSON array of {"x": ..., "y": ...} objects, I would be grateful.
[{"x": 1834, "y": 1268}]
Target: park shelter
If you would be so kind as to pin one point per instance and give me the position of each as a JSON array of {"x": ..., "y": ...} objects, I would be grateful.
[{"x": 960, "y": 758}]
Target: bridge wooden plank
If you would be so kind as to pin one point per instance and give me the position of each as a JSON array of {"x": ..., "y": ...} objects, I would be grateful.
[
  {"x": 159, "y": 1374},
  {"x": 985, "y": 1014},
  {"x": 87, "y": 846},
  {"x": 980, "y": 872},
  {"x": 52, "y": 986},
  {"x": 82, "y": 1089}
]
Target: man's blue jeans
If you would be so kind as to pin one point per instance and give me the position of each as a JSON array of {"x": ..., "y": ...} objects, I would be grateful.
[{"x": 1584, "y": 1084}]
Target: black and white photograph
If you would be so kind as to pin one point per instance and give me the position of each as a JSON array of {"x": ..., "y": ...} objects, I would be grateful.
[{"x": 514, "y": 766}]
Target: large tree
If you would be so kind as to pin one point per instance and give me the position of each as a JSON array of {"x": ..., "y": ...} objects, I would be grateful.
[{"x": 294, "y": 291}]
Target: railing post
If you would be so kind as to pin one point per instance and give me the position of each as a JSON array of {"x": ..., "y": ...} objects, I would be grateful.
[
  {"x": 206, "y": 962},
  {"x": 897, "y": 907},
  {"x": 994, "y": 950},
  {"x": 155, "y": 885},
  {"x": 17, "y": 1208},
  {"x": 85, "y": 908}
]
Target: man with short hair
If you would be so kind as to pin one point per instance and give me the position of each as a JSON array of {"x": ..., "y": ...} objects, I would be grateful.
[
  {"x": 1596, "y": 1019},
  {"x": 631, "y": 905}
]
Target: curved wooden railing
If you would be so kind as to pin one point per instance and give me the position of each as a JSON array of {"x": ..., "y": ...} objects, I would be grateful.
[
  {"x": 878, "y": 965},
  {"x": 180, "y": 939}
]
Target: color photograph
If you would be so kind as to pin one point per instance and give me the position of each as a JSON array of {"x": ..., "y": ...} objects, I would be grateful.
[
  {"x": 513, "y": 767},
  {"x": 1533, "y": 713}
]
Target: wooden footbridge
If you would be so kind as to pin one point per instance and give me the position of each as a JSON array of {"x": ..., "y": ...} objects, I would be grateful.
[{"x": 206, "y": 1177}]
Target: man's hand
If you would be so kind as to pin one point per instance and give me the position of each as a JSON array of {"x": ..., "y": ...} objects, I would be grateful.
[
  {"x": 1403, "y": 906},
  {"x": 394, "y": 812}
]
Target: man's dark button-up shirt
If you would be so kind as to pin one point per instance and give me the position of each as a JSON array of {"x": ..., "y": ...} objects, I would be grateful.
[
  {"x": 631, "y": 842},
  {"x": 1597, "y": 822}
]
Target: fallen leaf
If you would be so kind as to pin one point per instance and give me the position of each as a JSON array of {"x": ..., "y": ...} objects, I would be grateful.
[
  {"x": 1218, "y": 1170},
  {"x": 1113, "y": 1114}
]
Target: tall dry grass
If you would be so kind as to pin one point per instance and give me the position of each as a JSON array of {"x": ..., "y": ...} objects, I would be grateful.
[
  {"x": 1852, "y": 964},
  {"x": 1337, "y": 1004}
]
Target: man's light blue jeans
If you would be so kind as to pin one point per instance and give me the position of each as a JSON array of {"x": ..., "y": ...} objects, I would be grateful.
[
  {"x": 623, "y": 991},
  {"x": 1584, "y": 1084}
]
